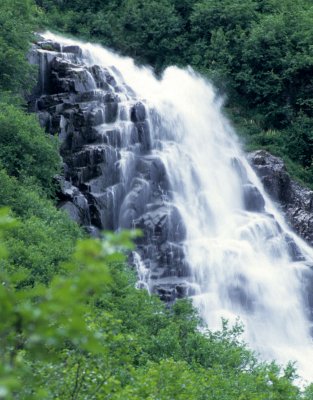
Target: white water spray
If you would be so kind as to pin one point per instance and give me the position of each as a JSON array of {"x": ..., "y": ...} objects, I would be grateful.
[{"x": 239, "y": 260}]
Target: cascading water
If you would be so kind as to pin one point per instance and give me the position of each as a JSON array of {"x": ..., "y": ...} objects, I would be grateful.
[{"x": 234, "y": 241}]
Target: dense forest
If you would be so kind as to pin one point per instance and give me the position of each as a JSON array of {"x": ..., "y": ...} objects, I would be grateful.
[{"x": 72, "y": 325}]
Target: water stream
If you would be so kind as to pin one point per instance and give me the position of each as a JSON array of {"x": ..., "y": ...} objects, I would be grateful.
[{"x": 239, "y": 261}]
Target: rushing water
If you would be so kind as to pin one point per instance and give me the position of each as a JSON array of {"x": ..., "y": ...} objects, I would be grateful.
[{"x": 239, "y": 260}]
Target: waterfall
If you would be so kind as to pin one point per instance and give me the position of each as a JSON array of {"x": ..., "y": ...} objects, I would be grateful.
[{"x": 234, "y": 241}]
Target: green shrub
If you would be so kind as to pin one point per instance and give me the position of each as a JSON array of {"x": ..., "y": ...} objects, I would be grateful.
[
  {"x": 44, "y": 239},
  {"x": 17, "y": 21},
  {"x": 25, "y": 150}
]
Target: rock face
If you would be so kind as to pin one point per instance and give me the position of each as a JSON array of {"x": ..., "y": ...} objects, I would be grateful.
[
  {"x": 295, "y": 200},
  {"x": 113, "y": 176},
  {"x": 111, "y": 179}
]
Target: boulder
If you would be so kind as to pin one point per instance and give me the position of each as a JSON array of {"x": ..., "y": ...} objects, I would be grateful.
[
  {"x": 253, "y": 199},
  {"x": 138, "y": 113},
  {"x": 272, "y": 172},
  {"x": 162, "y": 224},
  {"x": 295, "y": 200}
]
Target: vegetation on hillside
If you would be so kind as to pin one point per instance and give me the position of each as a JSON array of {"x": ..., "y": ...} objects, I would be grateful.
[
  {"x": 29, "y": 159},
  {"x": 90, "y": 334},
  {"x": 72, "y": 324}
]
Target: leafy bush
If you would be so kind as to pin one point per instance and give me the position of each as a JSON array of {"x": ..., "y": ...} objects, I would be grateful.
[
  {"x": 25, "y": 150},
  {"x": 91, "y": 334},
  {"x": 17, "y": 21},
  {"x": 44, "y": 240}
]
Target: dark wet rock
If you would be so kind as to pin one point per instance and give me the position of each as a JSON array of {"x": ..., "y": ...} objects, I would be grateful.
[
  {"x": 70, "y": 77},
  {"x": 273, "y": 174},
  {"x": 72, "y": 201},
  {"x": 181, "y": 291},
  {"x": 295, "y": 200},
  {"x": 51, "y": 101},
  {"x": 95, "y": 117},
  {"x": 138, "y": 113},
  {"x": 307, "y": 290},
  {"x": 104, "y": 206},
  {"x": 111, "y": 112},
  {"x": 162, "y": 224},
  {"x": 94, "y": 95},
  {"x": 45, "y": 120},
  {"x": 293, "y": 249},
  {"x": 153, "y": 170},
  {"x": 135, "y": 202},
  {"x": 169, "y": 291},
  {"x": 43, "y": 60},
  {"x": 166, "y": 293},
  {"x": 172, "y": 256},
  {"x": 66, "y": 191},
  {"x": 144, "y": 137},
  {"x": 93, "y": 231},
  {"x": 72, "y": 211},
  {"x": 114, "y": 137},
  {"x": 48, "y": 45},
  {"x": 103, "y": 78},
  {"x": 72, "y": 49},
  {"x": 253, "y": 199}
]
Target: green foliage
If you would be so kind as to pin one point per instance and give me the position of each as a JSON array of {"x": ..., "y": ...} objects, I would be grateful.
[
  {"x": 44, "y": 240},
  {"x": 91, "y": 334},
  {"x": 177, "y": 380},
  {"x": 25, "y": 149},
  {"x": 39, "y": 322},
  {"x": 292, "y": 143},
  {"x": 300, "y": 140},
  {"x": 277, "y": 61},
  {"x": 6, "y": 222},
  {"x": 29, "y": 160},
  {"x": 149, "y": 29},
  {"x": 17, "y": 21}
]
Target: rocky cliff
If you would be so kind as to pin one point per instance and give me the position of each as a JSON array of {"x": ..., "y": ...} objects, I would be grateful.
[
  {"x": 295, "y": 201},
  {"x": 111, "y": 178}
]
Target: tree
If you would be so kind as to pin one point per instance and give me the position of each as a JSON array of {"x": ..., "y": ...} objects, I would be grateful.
[
  {"x": 25, "y": 150},
  {"x": 17, "y": 21}
]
